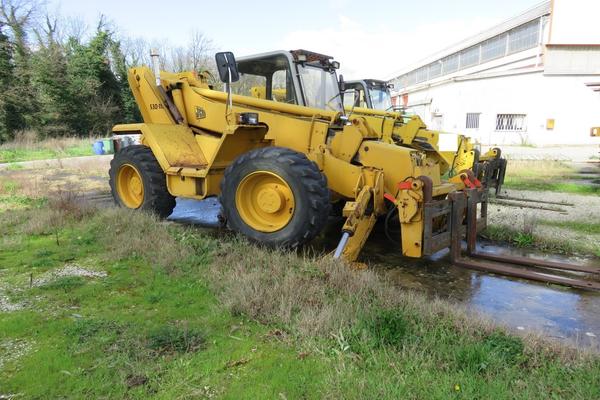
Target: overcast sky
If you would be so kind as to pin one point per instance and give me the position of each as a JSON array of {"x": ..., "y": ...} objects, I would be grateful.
[{"x": 371, "y": 42}]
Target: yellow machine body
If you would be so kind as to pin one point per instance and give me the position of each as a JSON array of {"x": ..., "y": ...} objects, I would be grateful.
[{"x": 409, "y": 131}]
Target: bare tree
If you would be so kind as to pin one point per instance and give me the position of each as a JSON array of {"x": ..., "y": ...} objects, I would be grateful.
[
  {"x": 17, "y": 15},
  {"x": 46, "y": 34},
  {"x": 199, "y": 49},
  {"x": 178, "y": 60},
  {"x": 195, "y": 56},
  {"x": 74, "y": 28},
  {"x": 136, "y": 51}
]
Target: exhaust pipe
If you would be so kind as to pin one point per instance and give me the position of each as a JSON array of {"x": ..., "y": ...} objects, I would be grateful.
[
  {"x": 155, "y": 57},
  {"x": 172, "y": 109}
]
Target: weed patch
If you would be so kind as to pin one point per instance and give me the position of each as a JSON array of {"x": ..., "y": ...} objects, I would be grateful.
[
  {"x": 385, "y": 327},
  {"x": 64, "y": 283},
  {"x": 83, "y": 329},
  {"x": 523, "y": 239},
  {"x": 131, "y": 234},
  {"x": 170, "y": 338},
  {"x": 496, "y": 351}
]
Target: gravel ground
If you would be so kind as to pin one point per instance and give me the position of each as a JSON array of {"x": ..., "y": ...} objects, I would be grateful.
[
  {"x": 68, "y": 270},
  {"x": 12, "y": 349},
  {"x": 6, "y": 305}
]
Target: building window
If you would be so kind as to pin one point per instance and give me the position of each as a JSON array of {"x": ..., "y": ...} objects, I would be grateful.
[
  {"x": 511, "y": 122},
  {"x": 410, "y": 78},
  {"x": 422, "y": 74},
  {"x": 450, "y": 64},
  {"x": 493, "y": 48},
  {"x": 521, "y": 38},
  {"x": 469, "y": 57},
  {"x": 435, "y": 69},
  {"x": 524, "y": 37},
  {"x": 472, "y": 121}
]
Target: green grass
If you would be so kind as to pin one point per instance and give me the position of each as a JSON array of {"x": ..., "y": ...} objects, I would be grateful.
[
  {"x": 15, "y": 155},
  {"x": 185, "y": 314},
  {"x": 139, "y": 332},
  {"x": 519, "y": 183},
  {"x": 592, "y": 228},
  {"x": 501, "y": 233},
  {"x": 12, "y": 199},
  {"x": 546, "y": 175}
]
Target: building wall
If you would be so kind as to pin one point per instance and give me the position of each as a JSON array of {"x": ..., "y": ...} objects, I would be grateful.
[
  {"x": 565, "y": 99},
  {"x": 556, "y": 84},
  {"x": 575, "y": 22}
]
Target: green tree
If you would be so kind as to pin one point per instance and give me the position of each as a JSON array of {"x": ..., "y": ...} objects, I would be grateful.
[
  {"x": 18, "y": 15},
  {"x": 57, "y": 113},
  {"x": 130, "y": 111},
  {"x": 93, "y": 84},
  {"x": 7, "y": 123}
]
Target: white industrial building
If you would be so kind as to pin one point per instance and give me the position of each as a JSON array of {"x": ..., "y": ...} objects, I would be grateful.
[{"x": 531, "y": 80}]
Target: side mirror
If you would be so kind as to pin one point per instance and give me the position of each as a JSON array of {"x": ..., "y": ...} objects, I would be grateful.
[
  {"x": 342, "y": 84},
  {"x": 227, "y": 67},
  {"x": 390, "y": 85}
]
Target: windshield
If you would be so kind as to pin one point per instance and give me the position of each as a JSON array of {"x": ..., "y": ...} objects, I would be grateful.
[
  {"x": 380, "y": 97},
  {"x": 320, "y": 88}
]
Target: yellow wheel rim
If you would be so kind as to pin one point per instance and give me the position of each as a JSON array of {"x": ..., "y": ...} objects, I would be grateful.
[
  {"x": 264, "y": 201},
  {"x": 130, "y": 186}
]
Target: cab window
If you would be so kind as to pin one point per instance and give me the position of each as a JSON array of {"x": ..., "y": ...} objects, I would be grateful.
[
  {"x": 266, "y": 78},
  {"x": 354, "y": 96}
]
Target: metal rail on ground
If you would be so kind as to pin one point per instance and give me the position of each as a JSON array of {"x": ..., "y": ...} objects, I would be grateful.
[{"x": 465, "y": 208}]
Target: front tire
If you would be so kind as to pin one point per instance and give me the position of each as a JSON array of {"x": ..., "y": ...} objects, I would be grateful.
[
  {"x": 275, "y": 196},
  {"x": 138, "y": 182}
]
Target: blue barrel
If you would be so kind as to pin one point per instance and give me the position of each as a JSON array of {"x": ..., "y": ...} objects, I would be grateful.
[{"x": 98, "y": 147}]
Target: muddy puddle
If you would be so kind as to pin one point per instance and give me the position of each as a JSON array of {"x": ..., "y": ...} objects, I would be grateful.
[
  {"x": 562, "y": 313},
  {"x": 565, "y": 314}
]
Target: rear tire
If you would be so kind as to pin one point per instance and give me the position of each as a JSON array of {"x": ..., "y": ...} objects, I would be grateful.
[
  {"x": 275, "y": 196},
  {"x": 138, "y": 182}
]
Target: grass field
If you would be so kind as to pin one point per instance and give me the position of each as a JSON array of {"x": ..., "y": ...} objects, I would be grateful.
[
  {"x": 566, "y": 243},
  {"x": 116, "y": 304},
  {"x": 26, "y": 147},
  {"x": 546, "y": 175},
  {"x": 573, "y": 231}
]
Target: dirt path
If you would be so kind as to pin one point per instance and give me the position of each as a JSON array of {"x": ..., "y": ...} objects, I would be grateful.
[
  {"x": 83, "y": 177},
  {"x": 70, "y": 162}
]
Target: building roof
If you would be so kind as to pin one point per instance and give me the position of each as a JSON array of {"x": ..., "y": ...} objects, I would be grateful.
[{"x": 537, "y": 11}]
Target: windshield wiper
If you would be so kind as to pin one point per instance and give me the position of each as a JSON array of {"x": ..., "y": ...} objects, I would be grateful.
[{"x": 338, "y": 94}]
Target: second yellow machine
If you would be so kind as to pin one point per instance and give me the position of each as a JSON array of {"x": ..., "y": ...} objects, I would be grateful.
[{"x": 278, "y": 163}]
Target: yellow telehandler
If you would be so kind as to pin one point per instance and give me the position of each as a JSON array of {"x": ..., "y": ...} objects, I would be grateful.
[{"x": 277, "y": 164}]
